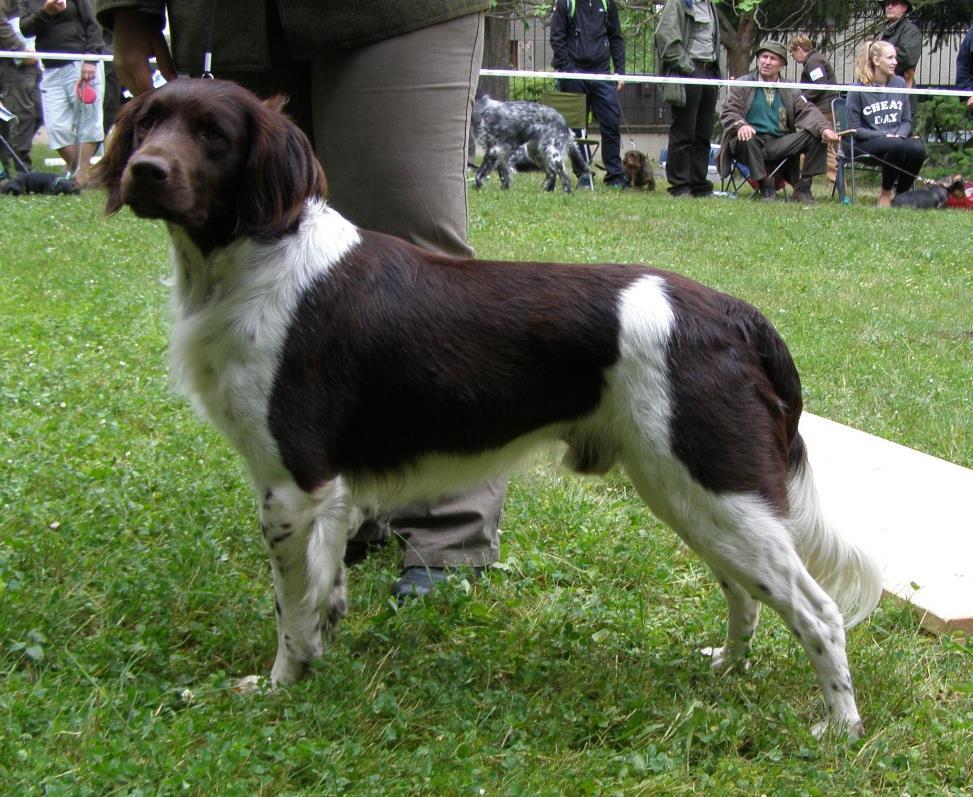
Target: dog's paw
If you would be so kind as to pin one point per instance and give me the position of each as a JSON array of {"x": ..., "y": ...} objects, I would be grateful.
[
  {"x": 252, "y": 685},
  {"x": 721, "y": 662},
  {"x": 851, "y": 729}
]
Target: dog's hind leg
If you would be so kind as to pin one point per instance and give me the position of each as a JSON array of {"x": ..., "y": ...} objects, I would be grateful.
[
  {"x": 503, "y": 169},
  {"x": 553, "y": 155},
  {"x": 563, "y": 172},
  {"x": 742, "y": 539},
  {"x": 742, "y": 617},
  {"x": 305, "y": 535}
]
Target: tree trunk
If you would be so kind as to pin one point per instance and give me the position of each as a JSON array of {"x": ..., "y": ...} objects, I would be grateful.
[
  {"x": 496, "y": 55},
  {"x": 739, "y": 43}
]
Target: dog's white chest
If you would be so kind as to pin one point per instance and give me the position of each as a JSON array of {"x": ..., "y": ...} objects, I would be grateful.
[
  {"x": 228, "y": 332},
  {"x": 233, "y": 311},
  {"x": 226, "y": 363}
]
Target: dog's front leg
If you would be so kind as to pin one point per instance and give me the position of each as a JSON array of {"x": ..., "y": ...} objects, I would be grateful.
[
  {"x": 486, "y": 166},
  {"x": 503, "y": 169},
  {"x": 305, "y": 535}
]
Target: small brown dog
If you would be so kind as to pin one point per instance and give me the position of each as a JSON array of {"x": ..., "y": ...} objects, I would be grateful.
[{"x": 638, "y": 170}]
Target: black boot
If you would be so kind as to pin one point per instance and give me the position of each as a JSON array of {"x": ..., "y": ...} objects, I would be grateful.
[
  {"x": 768, "y": 191},
  {"x": 802, "y": 191}
]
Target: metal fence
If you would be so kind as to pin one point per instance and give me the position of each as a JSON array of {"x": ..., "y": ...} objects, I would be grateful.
[{"x": 641, "y": 105}]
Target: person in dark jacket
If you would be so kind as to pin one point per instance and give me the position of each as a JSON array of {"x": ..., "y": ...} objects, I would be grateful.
[
  {"x": 386, "y": 100},
  {"x": 687, "y": 42},
  {"x": 901, "y": 33},
  {"x": 586, "y": 36},
  {"x": 19, "y": 80},
  {"x": 74, "y": 125},
  {"x": 816, "y": 70},
  {"x": 964, "y": 66}
]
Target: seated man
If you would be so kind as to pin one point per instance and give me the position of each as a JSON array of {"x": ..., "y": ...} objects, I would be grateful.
[{"x": 770, "y": 125}]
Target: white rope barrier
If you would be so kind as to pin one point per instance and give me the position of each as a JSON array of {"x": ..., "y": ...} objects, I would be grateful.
[
  {"x": 24, "y": 55},
  {"x": 660, "y": 79},
  {"x": 697, "y": 81}
]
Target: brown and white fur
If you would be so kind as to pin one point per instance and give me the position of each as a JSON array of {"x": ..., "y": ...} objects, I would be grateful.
[{"x": 351, "y": 369}]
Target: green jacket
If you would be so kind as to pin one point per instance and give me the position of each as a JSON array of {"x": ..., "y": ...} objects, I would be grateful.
[
  {"x": 240, "y": 40},
  {"x": 672, "y": 35}
]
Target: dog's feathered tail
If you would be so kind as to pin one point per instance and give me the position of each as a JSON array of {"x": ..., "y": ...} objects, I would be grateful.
[{"x": 845, "y": 571}]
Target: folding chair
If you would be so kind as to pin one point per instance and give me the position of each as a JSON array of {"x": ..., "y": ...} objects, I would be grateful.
[
  {"x": 739, "y": 176},
  {"x": 574, "y": 108},
  {"x": 6, "y": 116},
  {"x": 847, "y": 156}
]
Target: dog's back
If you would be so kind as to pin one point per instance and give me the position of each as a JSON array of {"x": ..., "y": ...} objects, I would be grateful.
[
  {"x": 922, "y": 198},
  {"x": 40, "y": 183},
  {"x": 515, "y": 123}
]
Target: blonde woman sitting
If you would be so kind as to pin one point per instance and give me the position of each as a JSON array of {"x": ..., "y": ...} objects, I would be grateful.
[{"x": 883, "y": 122}]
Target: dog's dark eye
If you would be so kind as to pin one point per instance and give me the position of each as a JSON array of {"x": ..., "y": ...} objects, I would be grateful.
[
  {"x": 212, "y": 133},
  {"x": 145, "y": 124}
]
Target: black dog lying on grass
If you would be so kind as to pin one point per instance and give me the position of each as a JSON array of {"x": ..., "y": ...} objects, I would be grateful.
[
  {"x": 40, "y": 183},
  {"x": 932, "y": 196}
]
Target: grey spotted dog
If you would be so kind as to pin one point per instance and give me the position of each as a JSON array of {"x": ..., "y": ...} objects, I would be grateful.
[{"x": 501, "y": 128}]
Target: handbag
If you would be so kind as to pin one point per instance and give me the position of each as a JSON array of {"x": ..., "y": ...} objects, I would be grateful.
[{"x": 674, "y": 93}]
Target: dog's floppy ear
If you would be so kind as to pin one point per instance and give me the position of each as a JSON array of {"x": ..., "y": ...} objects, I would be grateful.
[
  {"x": 107, "y": 173},
  {"x": 282, "y": 172},
  {"x": 276, "y": 103}
]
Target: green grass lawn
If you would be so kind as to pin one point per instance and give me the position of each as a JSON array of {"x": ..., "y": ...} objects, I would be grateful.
[{"x": 134, "y": 590}]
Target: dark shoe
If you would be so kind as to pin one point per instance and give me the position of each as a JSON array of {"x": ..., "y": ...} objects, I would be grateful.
[
  {"x": 768, "y": 191},
  {"x": 802, "y": 192},
  {"x": 619, "y": 182},
  {"x": 417, "y": 582},
  {"x": 356, "y": 551},
  {"x": 585, "y": 182},
  {"x": 681, "y": 193}
]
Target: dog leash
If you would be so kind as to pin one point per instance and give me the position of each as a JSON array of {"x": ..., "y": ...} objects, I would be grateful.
[
  {"x": 208, "y": 51},
  {"x": 916, "y": 177}
]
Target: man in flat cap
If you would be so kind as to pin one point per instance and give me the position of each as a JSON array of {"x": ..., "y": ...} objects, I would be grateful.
[{"x": 765, "y": 126}]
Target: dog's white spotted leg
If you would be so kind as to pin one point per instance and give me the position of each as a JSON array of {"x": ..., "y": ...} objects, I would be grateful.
[
  {"x": 765, "y": 562},
  {"x": 743, "y": 614},
  {"x": 503, "y": 169},
  {"x": 817, "y": 623},
  {"x": 741, "y": 538},
  {"x": 305, "y": 535}
]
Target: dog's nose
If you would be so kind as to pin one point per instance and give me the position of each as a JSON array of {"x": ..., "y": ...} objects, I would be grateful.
[{"x": 150, "y": 168}]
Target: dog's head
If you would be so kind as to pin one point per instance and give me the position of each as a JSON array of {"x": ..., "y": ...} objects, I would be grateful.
[
  {"x": 634, "y": 160},
  {"x": 63, "y": 185},
  {"x": 211, "y": 157},
  {"x": 955, "y": 186}
]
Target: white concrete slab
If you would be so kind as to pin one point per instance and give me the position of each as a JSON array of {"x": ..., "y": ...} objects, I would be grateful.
[{"x": 911, "y": 510}]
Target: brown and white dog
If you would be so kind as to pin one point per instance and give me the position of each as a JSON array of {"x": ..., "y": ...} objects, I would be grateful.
[{"x": 352, "y": 369}]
